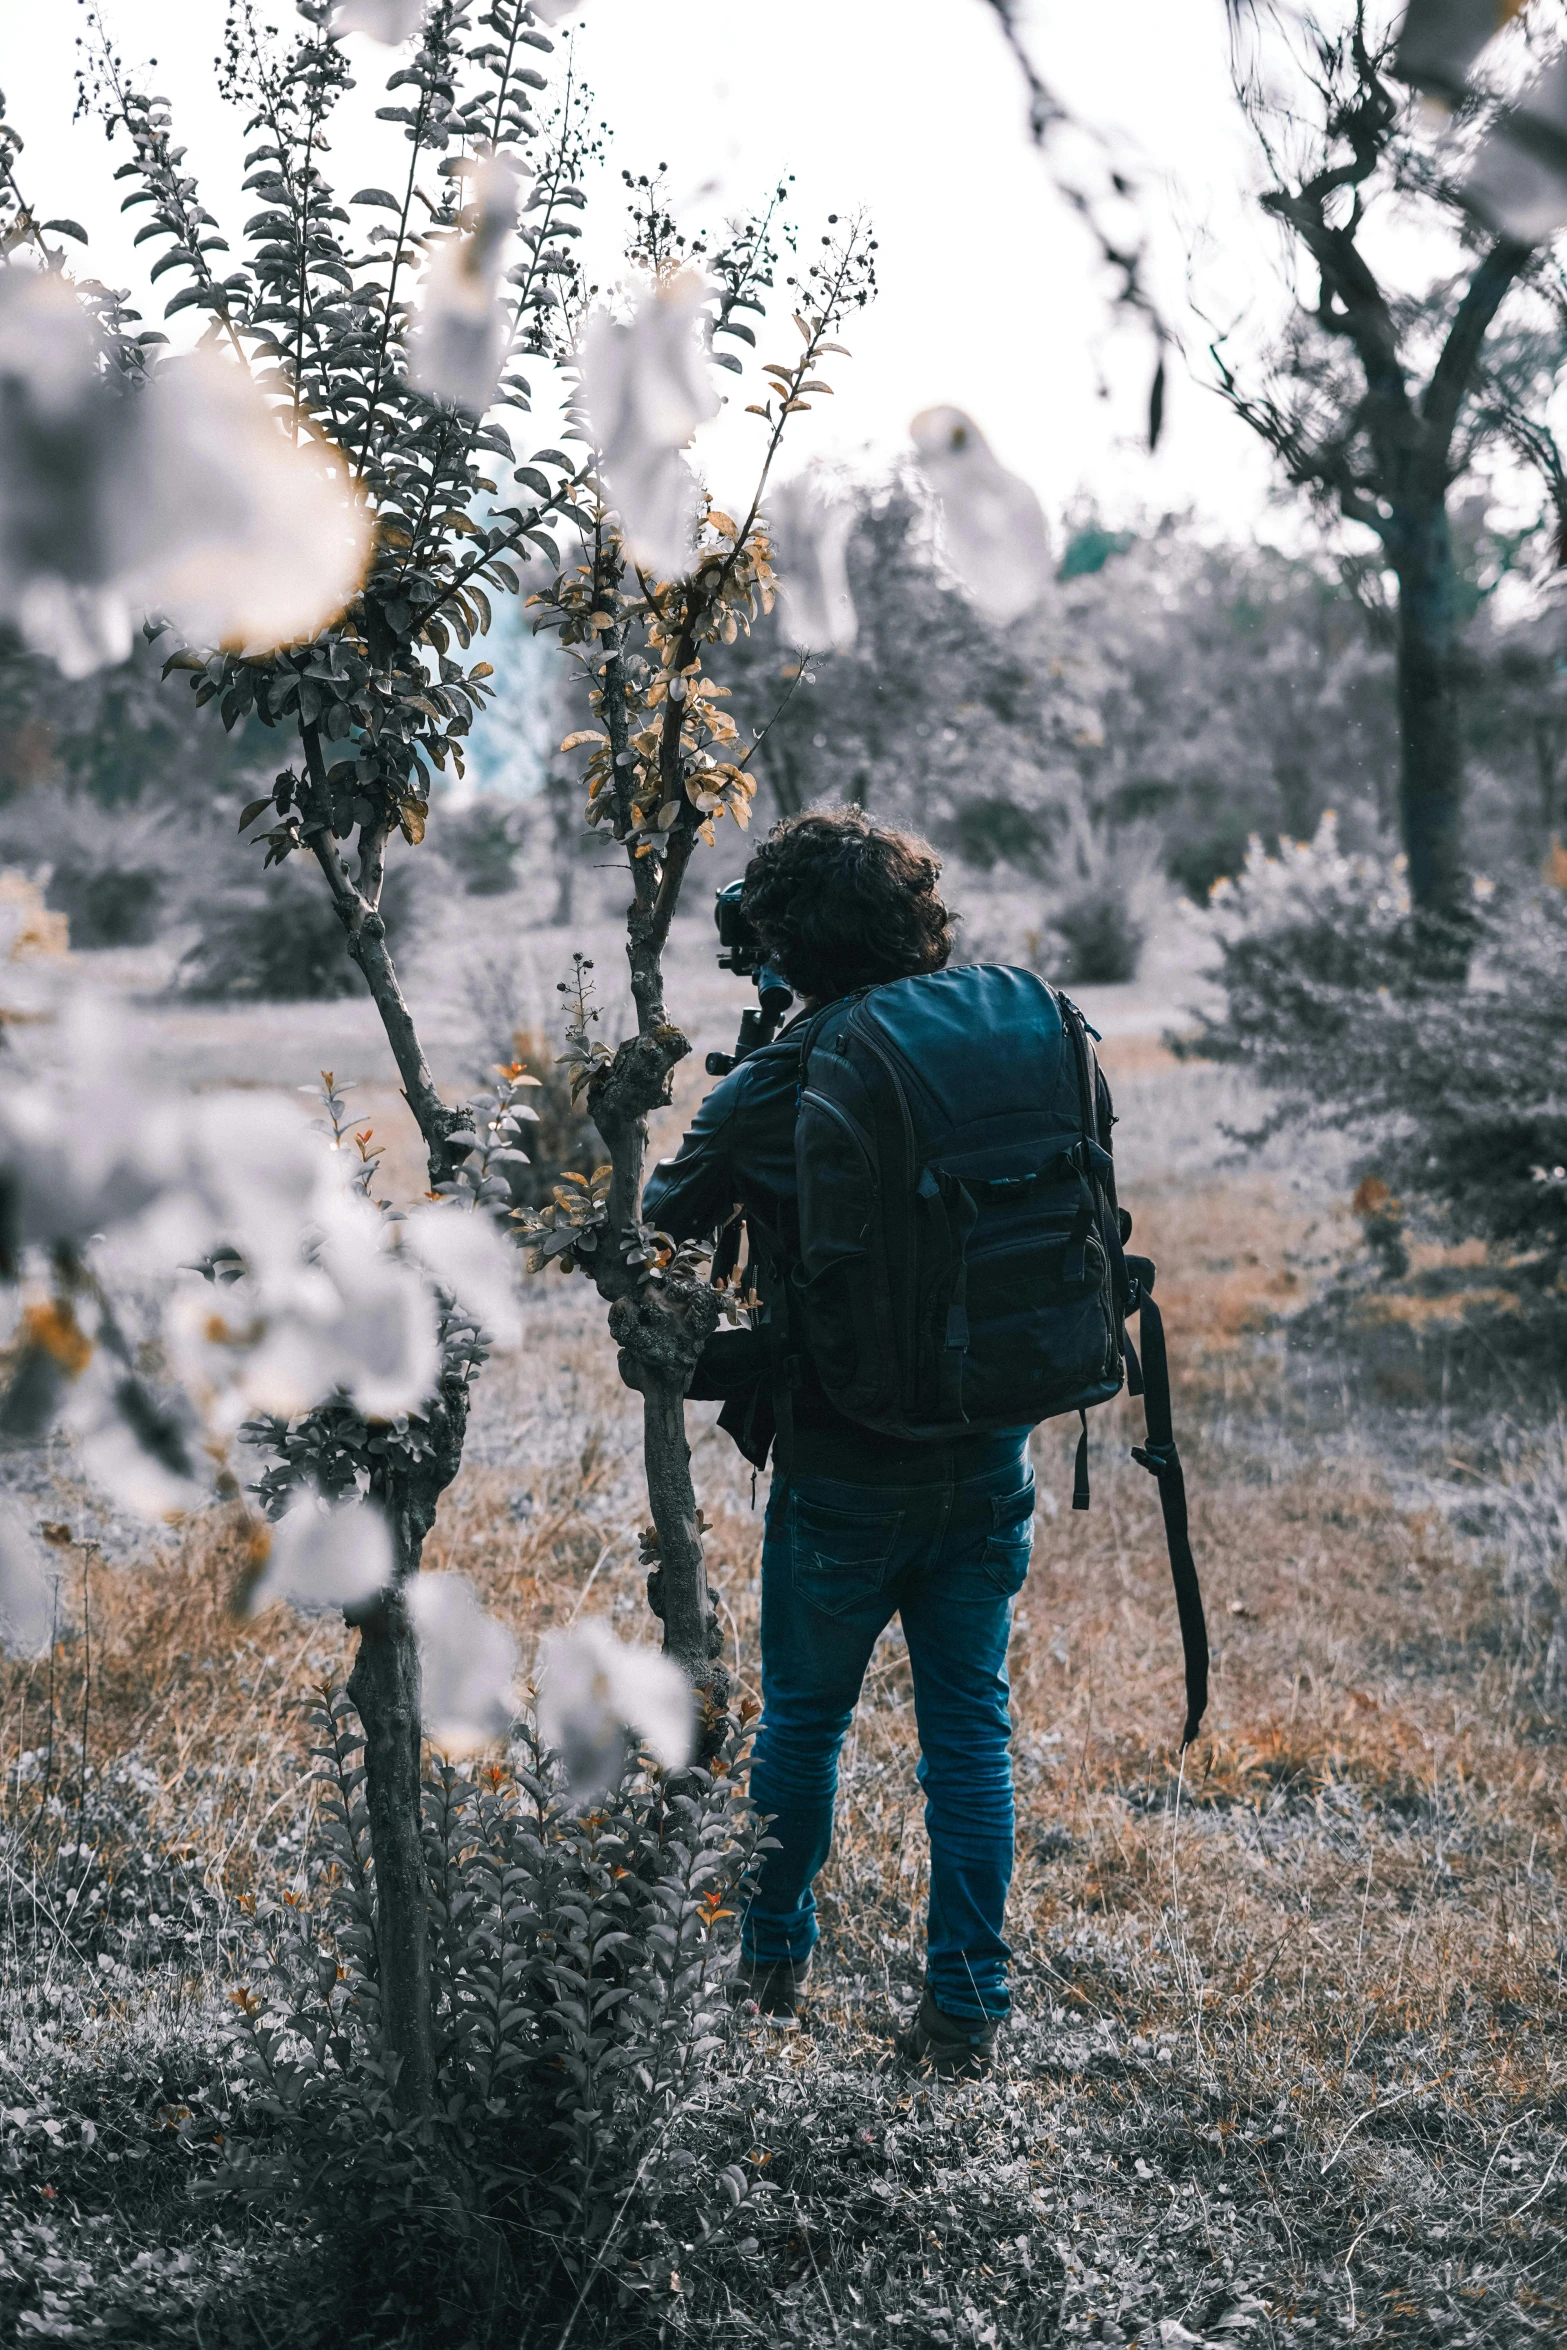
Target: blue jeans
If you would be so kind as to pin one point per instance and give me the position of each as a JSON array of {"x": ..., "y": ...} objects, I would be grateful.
[{"x": 840, "y": 1558}]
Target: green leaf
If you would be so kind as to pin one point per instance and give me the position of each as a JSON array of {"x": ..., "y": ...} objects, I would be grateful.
[
  {"x": 67, "y": 228},
  {"x": 255, "y": 809}
]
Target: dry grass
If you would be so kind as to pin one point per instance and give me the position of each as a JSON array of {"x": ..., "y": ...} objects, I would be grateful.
[{"x": 1288, "y": 2063}]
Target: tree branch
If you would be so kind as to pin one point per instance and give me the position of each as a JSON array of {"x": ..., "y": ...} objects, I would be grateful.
[
  {"x": 1450, "y": 378},
  {"x": 366, "y": 930}
]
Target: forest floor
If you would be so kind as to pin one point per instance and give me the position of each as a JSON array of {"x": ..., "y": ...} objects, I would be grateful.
[{"x": 1288, "y": 2063}]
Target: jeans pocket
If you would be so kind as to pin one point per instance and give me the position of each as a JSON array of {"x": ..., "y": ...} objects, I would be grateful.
[
  {"x": 838, "y": 1558},
  {"x": 1007, "y": 1553}
]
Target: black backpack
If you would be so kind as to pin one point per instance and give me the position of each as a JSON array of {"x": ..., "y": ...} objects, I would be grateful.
[{"x": 960, "y": 1262}]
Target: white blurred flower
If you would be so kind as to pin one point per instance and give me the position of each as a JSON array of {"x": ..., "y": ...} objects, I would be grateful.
[
  {"x": 467, "y": 1663},
  {"x": 324, "y": 1555},
  {"x": 552, "y": 12},
  {"x": 464, "y": 1251},
  {"x": 85, "y": 1144},
  {"x": 594, "y": 1691},
  {"x": 29, "y": 1591},
  {"x": 385, "y": 1336},
  {"x": 66, "y": 431},
  {"x": 354, "y": 1322},
  {"x": 254, "y": 542},
  {"x": 185, "y": 496},
  {"x": 144, "y": 1450},
  {"x": 388, "y": 21},
  {"x": 1517, "y": 183},
  {"x": 459, "y": 339},
  {"x": 810, "y": 531},
  {"x": 992, "y": 529},
  {"x": 647, "y": 385}
]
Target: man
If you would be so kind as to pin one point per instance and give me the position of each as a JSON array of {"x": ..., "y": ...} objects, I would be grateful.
[{"x": 862, "y": 1526}]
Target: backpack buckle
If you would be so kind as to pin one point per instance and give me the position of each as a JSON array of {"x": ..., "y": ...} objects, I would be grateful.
[{"x": 1157, "y": 1459}]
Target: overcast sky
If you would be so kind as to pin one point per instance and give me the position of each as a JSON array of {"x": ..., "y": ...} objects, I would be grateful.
[{"x": 990, "y": 294}]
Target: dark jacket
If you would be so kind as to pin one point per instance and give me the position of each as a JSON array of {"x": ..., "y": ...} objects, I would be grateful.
[{"x": 740, "y": 1153}]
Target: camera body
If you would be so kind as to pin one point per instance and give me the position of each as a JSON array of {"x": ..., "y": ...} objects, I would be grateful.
[{"x": 740, "y": 951}]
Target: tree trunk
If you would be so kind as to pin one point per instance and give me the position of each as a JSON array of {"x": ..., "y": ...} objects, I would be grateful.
[
  {"x": 1431, "y": 771},
  {"x": 384, "y": 1686}
]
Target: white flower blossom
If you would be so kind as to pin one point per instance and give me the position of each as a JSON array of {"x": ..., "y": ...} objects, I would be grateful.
[
  {"x": 594, "y": 1691},
  {"x": 85, "y": 1144},
  {"x": 467, "y": 1663},
  {"x": 144, "y": 1450},
  {"x": 391, "y": 22},
  {"x": 184, "y": 496},
  {"x": 810, "y": 528},
  {"x": 29, "y": 1591},
  {"x": 324, "y": 1555},
  {"x": 552, "y": 12},
  {"x": 459, "y": 339},
  {"x": 463, "y": 1250},
  {"x": 66, "y": 432},
  {"x": 992, "y": 528},
  {"x": 647, "y": 385}
]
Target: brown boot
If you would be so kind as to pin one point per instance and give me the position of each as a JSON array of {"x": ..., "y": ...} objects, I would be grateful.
[
  {"x": 957, "y": 2046},
  {"x": 774, "y": 1984}
]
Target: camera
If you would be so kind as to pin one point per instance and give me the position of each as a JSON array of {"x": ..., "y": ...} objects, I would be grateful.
[{"x": 740, "y": 951}]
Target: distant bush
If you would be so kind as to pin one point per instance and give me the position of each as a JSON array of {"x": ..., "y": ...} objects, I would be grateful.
[
  {"x": 108, "y": 871},
  {"x": 1102, "y": 886},
  {"x": 1449, "y": 1079},
  {"x": 480, "y": 845},
  {"x": 275, "y": 937},
  {"x": 577, "y": 1963}
]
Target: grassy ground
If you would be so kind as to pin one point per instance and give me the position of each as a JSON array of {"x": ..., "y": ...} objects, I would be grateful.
[{"x": 1288, "y": 2063}]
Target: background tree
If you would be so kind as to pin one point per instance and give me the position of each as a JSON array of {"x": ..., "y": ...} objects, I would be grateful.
[
  {"x": 664, "y": 767},
  {"x": 1378, "y": 399}
]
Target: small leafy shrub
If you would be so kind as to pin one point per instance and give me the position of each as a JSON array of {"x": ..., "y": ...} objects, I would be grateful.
[
  {"x": 561, "y": 1138},
  {"x": 277, "y": 938},
  {"x": 1450, "y": 1080},
  {"x": 1102, "y": 885},
  {"x": 480, "y": 845},
  {"x": 576, "y": 1960}
]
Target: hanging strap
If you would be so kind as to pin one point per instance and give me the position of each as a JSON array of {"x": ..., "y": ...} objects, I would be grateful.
[
  {"x": 1080, "y": 1498},
  {"x": 1160, "y": 1458}
]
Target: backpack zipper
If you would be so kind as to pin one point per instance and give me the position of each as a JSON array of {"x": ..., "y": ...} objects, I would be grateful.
[
  {"x": 884, "y": 1053},
  {"x": 856, "y": 1132}
]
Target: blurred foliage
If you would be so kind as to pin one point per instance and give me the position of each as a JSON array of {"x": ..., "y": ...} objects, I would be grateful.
[
  {"x": 1450, "y": 1086},
  {"x": 480, "y": 843},
  {"x": 279, "y": 939},
  {"x": 114, "y": 738}
]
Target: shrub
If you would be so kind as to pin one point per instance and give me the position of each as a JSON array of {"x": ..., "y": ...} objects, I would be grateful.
[
  {"x": 576, "y": 1965},
  {"x": 1103, "y": 886},
  {"x": 564, "y": 1139},
  {"x": 108, "y": 871},
  {"x": 1449, "y": 1079},
  {"x": 480, "y": 844},
  {"x": 277, "y": 938}
]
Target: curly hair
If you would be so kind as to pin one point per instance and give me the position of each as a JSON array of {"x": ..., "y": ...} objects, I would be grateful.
[{"x": 841, "y": 903}]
